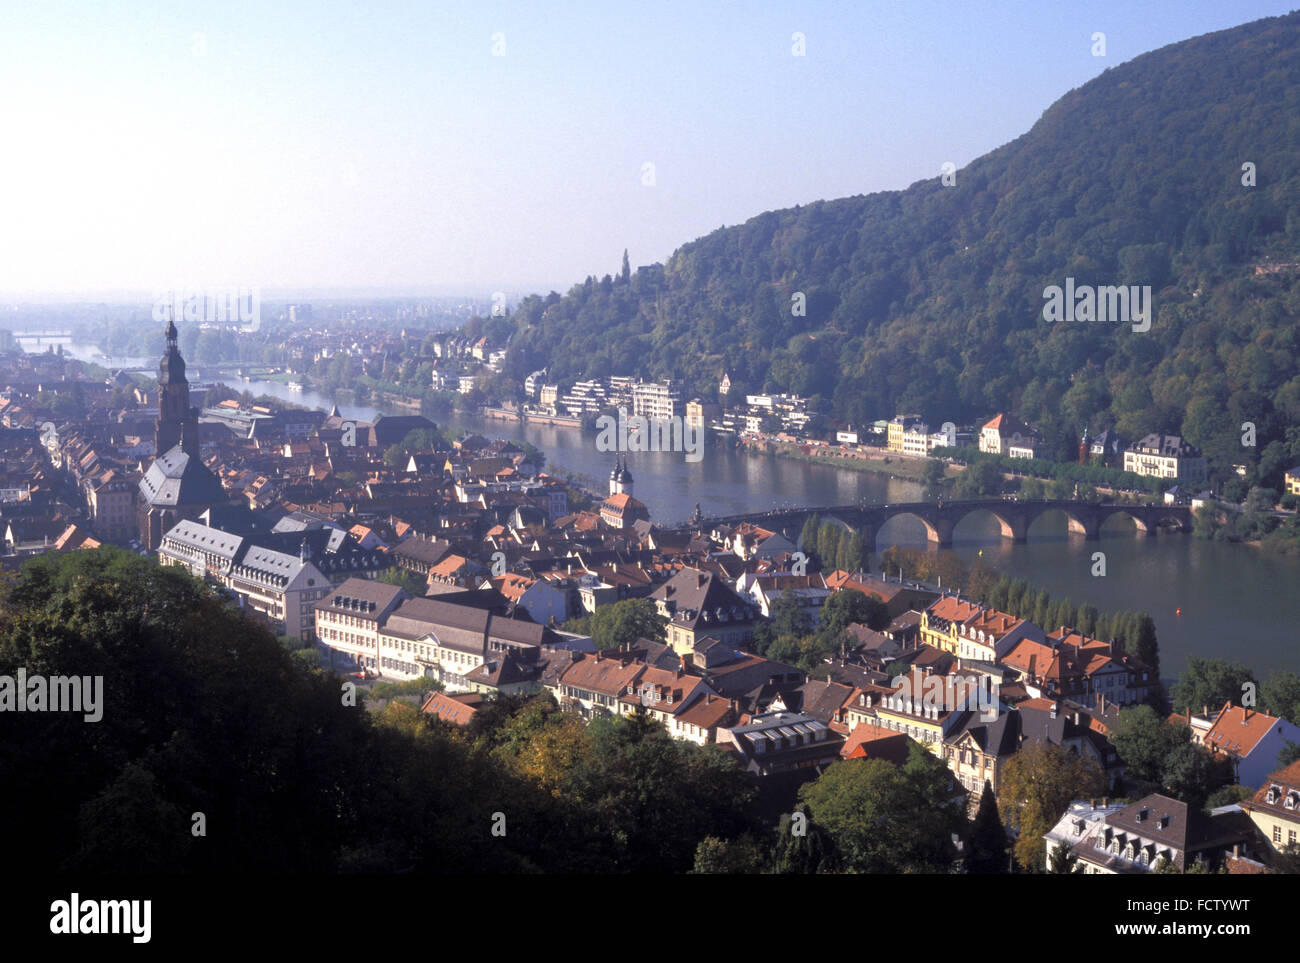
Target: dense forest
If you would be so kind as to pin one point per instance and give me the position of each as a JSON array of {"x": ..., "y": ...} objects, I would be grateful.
[{"x": 1179, "y": 170}]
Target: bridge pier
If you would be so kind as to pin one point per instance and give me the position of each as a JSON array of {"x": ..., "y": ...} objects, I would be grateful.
[
  {"x": 939, "y": 532},
  {"x": 1015, "y": 528},
  {"x": 1089, "y": 528}
]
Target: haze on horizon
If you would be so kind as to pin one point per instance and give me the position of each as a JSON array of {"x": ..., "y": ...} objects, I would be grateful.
[{"x": 493, "y": 146}]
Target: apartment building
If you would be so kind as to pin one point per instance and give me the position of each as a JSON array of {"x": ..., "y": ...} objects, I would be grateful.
[
  {"x": 1165, "y": 456},
  {"x": 658, "y": 401},
  {"x": 897, "y": 429}
]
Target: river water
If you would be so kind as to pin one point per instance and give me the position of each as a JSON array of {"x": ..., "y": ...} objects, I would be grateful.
[{"x": 1237, "y": 602}]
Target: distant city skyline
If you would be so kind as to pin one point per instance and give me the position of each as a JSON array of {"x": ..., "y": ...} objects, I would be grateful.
[{"x": 482, "y": 147}]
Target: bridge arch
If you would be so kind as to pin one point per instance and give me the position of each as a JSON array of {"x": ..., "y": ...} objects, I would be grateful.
[
  {"x": 1076, "y": 521},
  {"x": 935, "y": 534},
  {"x": 1012, "y": 524}
]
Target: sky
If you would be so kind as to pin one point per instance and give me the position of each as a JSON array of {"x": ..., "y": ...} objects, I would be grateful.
[{"x": 415, "y": 147}]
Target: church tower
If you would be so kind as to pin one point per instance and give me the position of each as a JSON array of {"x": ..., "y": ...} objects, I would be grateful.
[
  {"x": 178, "y": 423},
  {"x": 620, "y": 479}
]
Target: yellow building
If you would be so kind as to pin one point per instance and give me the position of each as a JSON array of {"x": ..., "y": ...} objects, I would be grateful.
[
  {"x": 897, "y": 429},
  {"x": 1293, "y": 481},
  {"x": 1275, "y": 809},
  {"x": 941, "y": 621}
]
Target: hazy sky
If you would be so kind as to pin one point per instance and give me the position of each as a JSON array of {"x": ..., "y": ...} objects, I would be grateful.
[{"x": 299, "y": 145}]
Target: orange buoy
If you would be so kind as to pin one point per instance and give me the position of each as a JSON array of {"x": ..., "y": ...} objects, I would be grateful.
[{"x": 1178, "y": 611}]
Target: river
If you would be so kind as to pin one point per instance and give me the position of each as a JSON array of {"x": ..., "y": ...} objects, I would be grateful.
[{"x": 1235, "y": 599}]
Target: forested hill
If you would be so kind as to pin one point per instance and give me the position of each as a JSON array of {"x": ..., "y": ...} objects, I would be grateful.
[{"x": 930, "y": 299}]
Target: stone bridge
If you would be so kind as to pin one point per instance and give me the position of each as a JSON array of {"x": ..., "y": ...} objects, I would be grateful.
[{"x": 940, "y": 518}]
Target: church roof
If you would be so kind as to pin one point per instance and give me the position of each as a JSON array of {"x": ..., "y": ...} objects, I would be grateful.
[{"x": 175, "y": 478}]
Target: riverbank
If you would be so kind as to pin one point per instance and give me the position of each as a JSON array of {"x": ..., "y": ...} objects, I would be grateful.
[
  {"x": 894, "y": 465},
  {"x": 529, "y": 417}
]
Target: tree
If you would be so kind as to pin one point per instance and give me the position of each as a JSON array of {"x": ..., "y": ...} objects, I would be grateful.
[
  {"x": 811, "y": 851},
  {"x": 1063, "y": 861},
  {"x": 716, "y": 856},
  {"x": 988, "y": 838},
  {"x": 808, "y": 652},
  {"x": 1280, "y": 695},
  {"x": 1144, "y": 741},
  {"x": 1189, "y": 773},
  {"x": 1209, "y": 683},
  {"x": 978, "y": 480},
  {"x": 625, "y": 273},
  {"x": 789, "y": 617},
  {"x": 808, "y": 536},
  {"x": 1145, "y": 646},
  {"x": 1227, "y": 795},
  {"x": 622, "y": 623},
  {"x": 851, "y": 556},
  {"x": 885, "y": 818},
  {"x": 405, "y": 579},
  {"x": 828, "y": 542},
  {"x": 848, "y": 606},
  {"x": 1038, "y": 784}
]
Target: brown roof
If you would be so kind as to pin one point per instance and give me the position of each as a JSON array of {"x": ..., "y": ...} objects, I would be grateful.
[
  {"x": 459, "y": 709},
  {"x": 604, "y": 675}
]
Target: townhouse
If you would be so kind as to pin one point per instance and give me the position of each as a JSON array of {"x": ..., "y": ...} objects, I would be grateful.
[
  {"x": 1250, "y": 740},
  {"x": 1275, "y": 809},
  {"x": 699, "y": 604},
  {"x": 1070, "y": 665}
]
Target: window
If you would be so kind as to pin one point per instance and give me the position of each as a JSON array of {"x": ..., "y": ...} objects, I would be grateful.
[{"x": 1277, "y": 833}]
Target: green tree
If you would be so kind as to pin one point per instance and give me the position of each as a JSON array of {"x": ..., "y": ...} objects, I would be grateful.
[
  {"x": 1279, "y": 695},
  {"x": 619, "y": 624},
  {"x": 989, "y": 848},
  {"x": 802, "y": 852},
  {"x": 1038, "y": 784},
  {"x": 404, "y": 579},
  {"x": 848, "y": 606},
  {"x": 885, "y": 818},
  {"x": 828, "y": 543},
  {"x": 1063, "y": 861},
  {"x": 717, "y": 856},
  {"x": 812, "y": 527},
  {"x": 1189, "y": 774},
  {"x": 1209, "y": 683},
  {"x": 1144, "y": 741}
]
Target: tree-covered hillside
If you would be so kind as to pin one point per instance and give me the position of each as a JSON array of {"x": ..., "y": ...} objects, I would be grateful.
[{"x": 930, "y": 299}]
